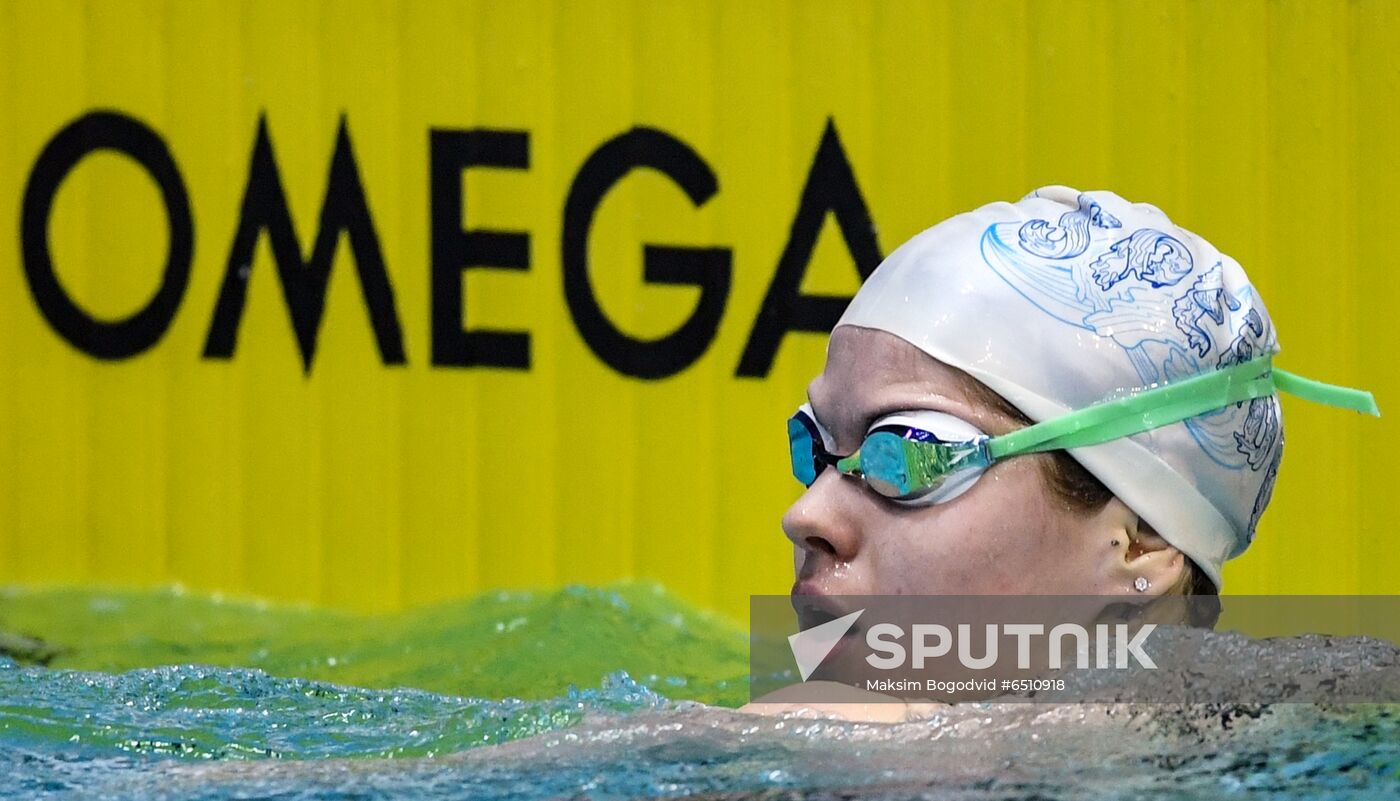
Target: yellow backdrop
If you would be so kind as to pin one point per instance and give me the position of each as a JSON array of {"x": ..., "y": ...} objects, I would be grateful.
[{"x": 498, "y": 168}]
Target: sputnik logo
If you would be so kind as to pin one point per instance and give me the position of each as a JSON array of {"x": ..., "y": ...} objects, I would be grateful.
[{"x": 810, "y": 647}]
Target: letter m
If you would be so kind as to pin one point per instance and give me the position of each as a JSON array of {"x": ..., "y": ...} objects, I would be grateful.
[{"x": 304, "y": 281}]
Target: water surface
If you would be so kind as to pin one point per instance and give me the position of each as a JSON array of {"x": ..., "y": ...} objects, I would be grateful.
[{"x": 580, "y": 692}]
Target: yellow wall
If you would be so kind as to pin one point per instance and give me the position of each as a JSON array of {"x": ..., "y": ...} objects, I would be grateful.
[{"x": 1268, "y": 127}]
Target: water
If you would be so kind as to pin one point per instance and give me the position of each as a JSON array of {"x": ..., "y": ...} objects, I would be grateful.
[
  {"x": 529, "y": 645},
  {"x": 575, "y": 693}
]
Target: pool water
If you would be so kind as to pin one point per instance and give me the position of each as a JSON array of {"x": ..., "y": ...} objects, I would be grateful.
[
  {"x": 529, "y": 645},
  {"x": 580, "y": 692}
]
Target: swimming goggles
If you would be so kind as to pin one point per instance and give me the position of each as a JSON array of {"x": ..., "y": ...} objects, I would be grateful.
[{"x": 925, "y": 457}]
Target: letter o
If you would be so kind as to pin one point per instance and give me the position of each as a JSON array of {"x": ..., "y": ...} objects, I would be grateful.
[{"x": 105, "y": 130}]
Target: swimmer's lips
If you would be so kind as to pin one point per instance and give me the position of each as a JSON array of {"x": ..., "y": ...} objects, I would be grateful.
[{"x": 814, "y": 610}]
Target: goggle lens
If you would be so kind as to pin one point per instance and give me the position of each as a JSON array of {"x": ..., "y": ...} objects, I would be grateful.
[
  {"x": 901, "y": 462},
  {"x": 804, "y": 452},
  {"x": 888, "y": 462}
]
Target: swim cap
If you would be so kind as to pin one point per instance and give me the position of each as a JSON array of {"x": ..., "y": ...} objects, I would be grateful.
[{"x": 1065, "y": 299}]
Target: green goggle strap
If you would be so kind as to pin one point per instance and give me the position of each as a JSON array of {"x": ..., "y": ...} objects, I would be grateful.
[{"x": 1173, "y": 403}]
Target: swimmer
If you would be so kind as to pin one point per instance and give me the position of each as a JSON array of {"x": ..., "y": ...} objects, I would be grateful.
[{"x": 1068, "y": 395}]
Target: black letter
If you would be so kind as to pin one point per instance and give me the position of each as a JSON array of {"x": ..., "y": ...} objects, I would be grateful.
[
  {"x": 105, "y": 130},
  {"x": 455, "y": 249},
  {"x": 304, "y": 281},
  {"x": 707, "y": 268},
  {"x": 831, "y": 186}
]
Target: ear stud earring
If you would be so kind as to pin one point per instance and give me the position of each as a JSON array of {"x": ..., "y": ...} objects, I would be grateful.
[{"x": 1141, "y": 584}]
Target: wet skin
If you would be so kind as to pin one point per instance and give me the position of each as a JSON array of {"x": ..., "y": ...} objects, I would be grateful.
[{"x": 1008, "y": 534}]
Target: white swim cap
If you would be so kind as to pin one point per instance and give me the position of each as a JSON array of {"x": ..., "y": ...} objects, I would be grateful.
[{"x": 1066, "y": 299}]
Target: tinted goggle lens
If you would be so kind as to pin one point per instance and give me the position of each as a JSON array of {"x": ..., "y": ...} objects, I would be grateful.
[
  {"x": 902, "y": 462},
  {"x": 802, "y": 442},
  {"x": 889, "y": 465}
]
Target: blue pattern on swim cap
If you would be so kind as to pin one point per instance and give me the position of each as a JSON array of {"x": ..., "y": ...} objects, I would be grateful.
[{"x": 1170, "y": 312}]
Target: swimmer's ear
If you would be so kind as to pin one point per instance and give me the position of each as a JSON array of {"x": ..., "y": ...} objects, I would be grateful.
[{"x": 1135, "y": 559}]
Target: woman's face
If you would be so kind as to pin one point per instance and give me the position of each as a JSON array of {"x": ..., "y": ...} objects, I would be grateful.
[{"x": 1008, "y": 534}]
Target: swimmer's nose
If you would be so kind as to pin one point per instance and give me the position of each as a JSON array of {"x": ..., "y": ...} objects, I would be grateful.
[{"x": 820, "y": 522}]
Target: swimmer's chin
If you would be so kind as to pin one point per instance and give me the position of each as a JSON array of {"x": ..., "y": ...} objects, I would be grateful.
[{"x": 845, "y": 703}]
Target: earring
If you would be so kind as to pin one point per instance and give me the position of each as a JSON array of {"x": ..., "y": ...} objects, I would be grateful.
[{"x": 1141, "y": 584}]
